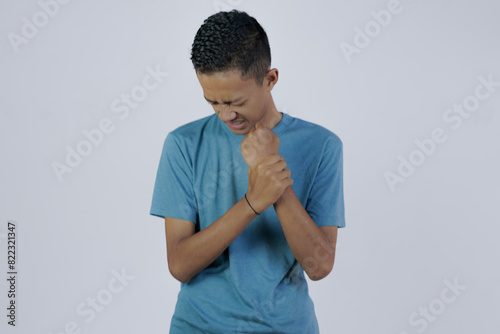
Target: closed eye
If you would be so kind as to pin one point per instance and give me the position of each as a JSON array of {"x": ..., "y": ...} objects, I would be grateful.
[{"x": 236, "y": 105}]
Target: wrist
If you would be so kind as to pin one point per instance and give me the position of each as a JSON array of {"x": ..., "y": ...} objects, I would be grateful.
[
  {"x": 250, "y": 205},
  {"x": 285, "y": 196},
  {"x": 253, "y": 203}
]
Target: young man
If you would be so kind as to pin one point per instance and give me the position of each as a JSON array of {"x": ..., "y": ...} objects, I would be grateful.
[{"x": 240, "y": 233}]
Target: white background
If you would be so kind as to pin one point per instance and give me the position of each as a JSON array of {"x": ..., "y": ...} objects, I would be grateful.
[{"x": 399, "y": 247}]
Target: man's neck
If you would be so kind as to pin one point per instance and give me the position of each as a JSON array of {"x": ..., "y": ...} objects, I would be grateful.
[{"x": 273, "y": 117}]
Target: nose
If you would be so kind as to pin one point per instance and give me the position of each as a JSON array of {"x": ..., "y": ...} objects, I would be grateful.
[{"x": 225, "y": 113}]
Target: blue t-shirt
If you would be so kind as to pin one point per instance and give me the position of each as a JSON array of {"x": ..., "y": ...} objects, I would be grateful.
[{"x": 256, "y": 285}]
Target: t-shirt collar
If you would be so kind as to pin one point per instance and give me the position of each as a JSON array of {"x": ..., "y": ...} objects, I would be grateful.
[{"x": 278, "y": 129}]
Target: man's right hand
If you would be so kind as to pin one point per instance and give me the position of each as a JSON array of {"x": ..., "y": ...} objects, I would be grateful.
[
  {"x": 267, "y": 181},
  {"x": 259, "y": 143}
]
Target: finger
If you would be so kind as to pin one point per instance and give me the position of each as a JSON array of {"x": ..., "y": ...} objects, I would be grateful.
[
  {"x": 264, "y": 135},
  {"x": 279, "y": 166},
  {"x": 260, "y": 125},
  {"x": 272, "y": 159},
  {"x": 250, "y": 134},
  {"x": 285, "y": 174}
]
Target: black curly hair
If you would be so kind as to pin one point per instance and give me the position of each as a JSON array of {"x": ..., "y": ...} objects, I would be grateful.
[{"x": 232, "y": 40}]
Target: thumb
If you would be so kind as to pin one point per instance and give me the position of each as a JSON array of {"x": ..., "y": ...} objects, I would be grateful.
[{"x": 260, "y": 125}]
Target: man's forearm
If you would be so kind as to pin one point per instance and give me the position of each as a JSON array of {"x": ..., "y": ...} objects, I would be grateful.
[
  {"x": 195, "y": 252},
  {"x": 304, "y": 237}
]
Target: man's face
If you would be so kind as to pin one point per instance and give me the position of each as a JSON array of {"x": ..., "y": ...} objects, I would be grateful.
[{"x": 239, "y": 103}]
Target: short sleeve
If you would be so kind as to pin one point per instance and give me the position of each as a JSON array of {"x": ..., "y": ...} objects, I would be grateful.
[
  {"x": 173, "y": 194},
  {"x": 326, "y": 201}
]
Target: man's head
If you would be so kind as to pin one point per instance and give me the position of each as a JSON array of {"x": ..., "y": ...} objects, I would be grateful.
[
  {"x": 232, "y": 59},
  {"x": 232, "y": 41}
]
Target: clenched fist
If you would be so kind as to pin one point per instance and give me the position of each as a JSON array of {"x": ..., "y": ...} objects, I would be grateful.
[{"x": 259, "y": 143}]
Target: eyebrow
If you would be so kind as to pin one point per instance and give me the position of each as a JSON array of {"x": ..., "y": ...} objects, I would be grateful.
[{"x": 225, "y": 102}]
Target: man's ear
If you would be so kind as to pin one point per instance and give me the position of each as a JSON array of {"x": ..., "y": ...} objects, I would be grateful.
[{"x": 271, "y": 78}]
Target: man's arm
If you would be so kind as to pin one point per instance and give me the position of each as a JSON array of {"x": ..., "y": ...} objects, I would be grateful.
[
  {"x": 188, "y": 252},
  {"x": 312, "y": 246}
]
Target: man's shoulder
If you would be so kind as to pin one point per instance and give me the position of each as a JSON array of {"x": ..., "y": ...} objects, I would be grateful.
[
  {"x": 194, "y": 128},
  {"x": 311, "y": 130},
  {"x": 190, "y": 134},
  {"x": 192, "y": 131}
]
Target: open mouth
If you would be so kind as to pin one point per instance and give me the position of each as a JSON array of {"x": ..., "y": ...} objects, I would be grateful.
[{"x": 237, "y": 124}]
